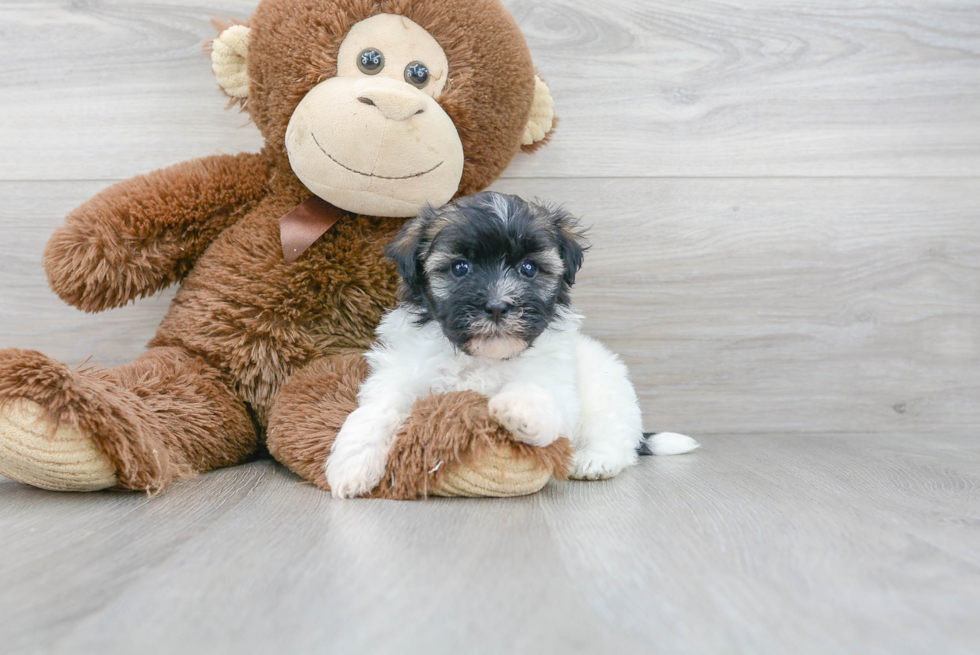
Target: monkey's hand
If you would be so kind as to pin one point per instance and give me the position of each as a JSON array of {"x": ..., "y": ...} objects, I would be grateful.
[{"x": 142, "y": 235}]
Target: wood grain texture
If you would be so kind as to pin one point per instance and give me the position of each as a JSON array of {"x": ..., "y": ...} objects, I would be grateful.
[
  {"x": 101, "y": 90},
  {"x": 733, "y": 88},
  {"x": 837, "y": 543},
  {"x": 96, "y": 90}
]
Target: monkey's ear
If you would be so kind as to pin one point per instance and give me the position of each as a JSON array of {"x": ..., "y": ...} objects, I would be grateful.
[
  {"x": 541, "y": 123},
  {"x": 406, "y": 252},
  {"x": 229, "y": 61},
  {"x": 571, "y": 243}
]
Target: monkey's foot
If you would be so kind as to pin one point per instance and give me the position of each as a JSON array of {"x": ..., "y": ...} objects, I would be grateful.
[
  {"x": 451, "y": 446},
  {"x": 37, "y": 452},
  {"x": 498, "y": 471}
]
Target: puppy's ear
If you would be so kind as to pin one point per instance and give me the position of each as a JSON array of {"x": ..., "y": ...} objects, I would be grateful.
[
  {"x": 572, "y": 243},
  {"x": 406, "y": 252}
]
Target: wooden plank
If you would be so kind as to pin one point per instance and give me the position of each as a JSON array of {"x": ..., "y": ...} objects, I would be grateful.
[
  {"x": 289, "y": 568},
  {"x": 644, "y": 88},
  {"x": 740, "y": 305},
  {"x": 65, "y": 556},
  {"x": 106, "y": 91},
  {"x": 734, "y": 88},
  {"x": 830, "y": 544},
  {"x": 835, "y": 543}
]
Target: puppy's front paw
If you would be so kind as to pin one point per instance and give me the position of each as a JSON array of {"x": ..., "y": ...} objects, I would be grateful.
[
  {"x": 529, "y": 413},
  {"x": 592, "y": 465},
  {"x": 359, "y": 455},
  {"x": 354, "y": 473}
]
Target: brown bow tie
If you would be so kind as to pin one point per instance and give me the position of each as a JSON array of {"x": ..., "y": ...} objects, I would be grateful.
[{"x": 306, "y": 223}]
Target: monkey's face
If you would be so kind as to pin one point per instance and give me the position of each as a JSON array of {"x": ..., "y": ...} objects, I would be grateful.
[
  {"x": 373, "y": 139},
  {"x": 383, "y": 113}
]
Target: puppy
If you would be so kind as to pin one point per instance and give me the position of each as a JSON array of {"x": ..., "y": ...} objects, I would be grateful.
[{"x": 486, "y": 308}]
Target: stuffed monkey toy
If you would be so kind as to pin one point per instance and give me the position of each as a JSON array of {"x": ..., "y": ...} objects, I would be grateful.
[{"x": 369, "y": 110}]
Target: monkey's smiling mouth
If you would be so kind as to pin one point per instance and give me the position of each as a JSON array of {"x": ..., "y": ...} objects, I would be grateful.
[{"x": 382, "y": 177}]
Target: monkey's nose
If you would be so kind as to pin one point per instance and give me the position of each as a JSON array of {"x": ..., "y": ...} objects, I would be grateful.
[
  {"x": 396, "y": 104},
  {"x": 498, "y": 310}
]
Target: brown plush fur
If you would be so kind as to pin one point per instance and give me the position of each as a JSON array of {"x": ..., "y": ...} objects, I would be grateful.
[
  {"x": 444, "y": 430},
  {"x": 248, "y": 312},
  {"x": 310, "y": 411},
  {"x": 144, "y": 234},
  {"x": 243, "y": 320},
  {"x": 164, "y": 417}
]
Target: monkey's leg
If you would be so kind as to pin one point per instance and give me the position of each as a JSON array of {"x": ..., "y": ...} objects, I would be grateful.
[
  {"x": 448, "y": 447},
  {"x": 309, "y": 412},
  {"x": 166, "y": 416}
]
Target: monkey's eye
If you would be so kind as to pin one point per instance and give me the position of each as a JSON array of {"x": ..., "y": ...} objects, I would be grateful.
[
  {"x": 460, "y": 268},
  {"x": 371, "y": 61},
  {"x": 528, "y": 268},
  {"x": 417, "y": 74}
]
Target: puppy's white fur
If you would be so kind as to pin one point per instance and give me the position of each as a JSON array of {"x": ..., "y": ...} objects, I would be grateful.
[{"x": 566, "y": 384}]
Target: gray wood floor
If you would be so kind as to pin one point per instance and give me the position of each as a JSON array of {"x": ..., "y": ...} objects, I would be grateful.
[
  {"x": 800, "y": 544},
  {"x": 786, "y": 208}
]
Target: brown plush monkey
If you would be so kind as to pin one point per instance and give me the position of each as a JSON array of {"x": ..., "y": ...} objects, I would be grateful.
[{"x": 376, "y": 107}]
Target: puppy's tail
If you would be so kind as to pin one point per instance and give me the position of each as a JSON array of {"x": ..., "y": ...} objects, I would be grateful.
[{"x": 666, "y": 443}]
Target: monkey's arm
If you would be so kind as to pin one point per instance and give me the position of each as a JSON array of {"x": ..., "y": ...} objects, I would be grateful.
[{"x": 142, "y": 235}]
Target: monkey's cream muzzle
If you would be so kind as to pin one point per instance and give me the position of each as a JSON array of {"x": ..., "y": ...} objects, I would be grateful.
[{"x": 374, "y": 146}]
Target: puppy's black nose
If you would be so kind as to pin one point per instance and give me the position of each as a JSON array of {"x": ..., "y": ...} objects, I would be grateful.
[{"x": 497, "y": 310}]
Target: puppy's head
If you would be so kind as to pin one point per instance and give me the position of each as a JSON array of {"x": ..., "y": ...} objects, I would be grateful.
[{"x": 492, "y": 269}]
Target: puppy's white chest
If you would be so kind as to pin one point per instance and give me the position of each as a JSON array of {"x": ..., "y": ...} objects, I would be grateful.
[{"x": 485, "y": 377}]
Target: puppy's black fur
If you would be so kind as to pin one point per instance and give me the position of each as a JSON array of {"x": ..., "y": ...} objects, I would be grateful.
[{"x": 493, "y": 237}]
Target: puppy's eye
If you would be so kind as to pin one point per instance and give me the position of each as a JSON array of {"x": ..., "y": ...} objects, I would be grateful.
[
  {"x": 417, "y": 74},
  {"x": 528, "y": 269},
  {"x": 460, "y": 269},
  {"x": 371, "y": 61}
]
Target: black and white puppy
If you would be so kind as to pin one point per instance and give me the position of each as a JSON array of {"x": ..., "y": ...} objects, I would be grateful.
[{"x": 485, "y": 307}]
